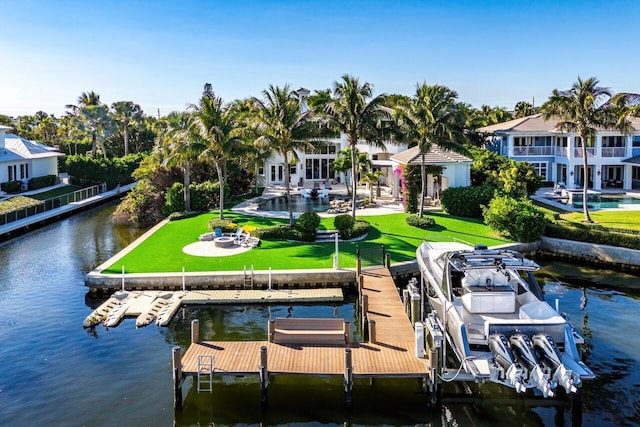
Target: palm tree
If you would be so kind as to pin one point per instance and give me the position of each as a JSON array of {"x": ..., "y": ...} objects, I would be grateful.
[
  {"x": 370, "y": 178},
  {"x": 523, "y": 109},
  {"x": 126, "y": 112},
  {"x": 583, "y": 109},
  {"x": 216, "y": 125},
  {"x": 281, "y": 127},
  {"x": 352, "y": 111},
  {"x": 431, "y": 116},
  {"x": 181, "y": 145}
]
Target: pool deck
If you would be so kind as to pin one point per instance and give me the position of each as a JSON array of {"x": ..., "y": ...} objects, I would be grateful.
[{"x": 546, "y": 196}]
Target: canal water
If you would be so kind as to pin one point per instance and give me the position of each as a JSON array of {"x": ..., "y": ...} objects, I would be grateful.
[{"x": 54, "y": 372}]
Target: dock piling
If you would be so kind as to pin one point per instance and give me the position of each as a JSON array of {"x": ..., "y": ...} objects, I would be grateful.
[
  {"x": 271, "y": 329},
  {"x": 348, "y": 377},
  {"x": 372, "y": 331},
  {"x": 264, "y": 377},
  {"x": 365, "y": 309},
  {"x": 195, "y": 331},
  {"x": 176, "y": 359},
  {"x": 347, "y": 331}
]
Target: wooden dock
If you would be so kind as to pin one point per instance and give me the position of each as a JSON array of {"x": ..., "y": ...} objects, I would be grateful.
[{"x": 389, "y": 353}]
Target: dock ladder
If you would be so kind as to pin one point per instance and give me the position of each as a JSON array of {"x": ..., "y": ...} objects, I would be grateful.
[
  {"x": 248, "y": 278},
  {"x": 205, "y": 373}
]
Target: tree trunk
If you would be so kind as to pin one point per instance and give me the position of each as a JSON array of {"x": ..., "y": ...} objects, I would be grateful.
[
  {"x": 187, "y": 190},
  {"x": 585, "y": 181},
  {"x": 354, "y": 176},
  {"x": 221, "y": 183},
  {"x": 423, "y": 178},
  {"x": 287, "y": 189},
  {"x": 93, "y": 144},
  {"x": 126, "y": 137}
]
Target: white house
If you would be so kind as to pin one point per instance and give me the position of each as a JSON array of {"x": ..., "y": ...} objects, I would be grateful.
[
  {"x": 613, "y": 158},
  {"x": 22, "y": 159},
  {"x": 456, "y": 169}
]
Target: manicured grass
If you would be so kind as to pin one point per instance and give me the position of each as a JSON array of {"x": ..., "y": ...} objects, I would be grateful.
[
  {"x": 162, "y": 252},
  {"x": 622, "y": 219},
  {"x": 55, "y": 192}
]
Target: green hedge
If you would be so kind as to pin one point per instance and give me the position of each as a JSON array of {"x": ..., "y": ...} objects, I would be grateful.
[
  {"x": 11, "y": 186},
  {"x": 466, "y": 201},
  {"x": 425, "y": 222},
  {"x": 280, "y": 232},
  {"x": 42, "y": 181},
  {"x": 204, "y": 196},
  {"x": 591, "y": 233},
  {"x": 360, "y": 228},
  {"x": 344, "y": 224},
  {"x": 87, "y": 170},
  {"x": 307, "y": 224}
]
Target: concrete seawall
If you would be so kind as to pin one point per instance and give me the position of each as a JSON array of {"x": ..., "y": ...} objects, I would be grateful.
[{"x": 592, "y": 253}]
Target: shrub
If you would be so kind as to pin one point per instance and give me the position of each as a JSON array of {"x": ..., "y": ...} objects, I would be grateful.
[
  {"x": 520, "y": 220},
  {"x": 280, "y": 232},
  {"x": 307, "y": 224},
  {"x": 182, "y": 215},
  {"x": 411, "y": 183},
  {"x": 592, "y": 233},
  {"x": 360, "y": 228},
  {"x": 466, "y": 201},
  {"x": 344, "y": 224},
  {"x": 87, "y": 170},
  {"x": 226, "y": 225},
  {"x": 42, "y": 181},
  {"x": 425, "y": 222},
  {"x": 11, "y": 186},
  {"x": 204, "y": 196}
]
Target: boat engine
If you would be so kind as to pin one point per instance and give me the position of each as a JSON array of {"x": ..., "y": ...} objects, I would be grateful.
[
  {"x": 549, "y": 354},
  {"x": 503, "y": 357},
  {"x": 523, "y": 348}
]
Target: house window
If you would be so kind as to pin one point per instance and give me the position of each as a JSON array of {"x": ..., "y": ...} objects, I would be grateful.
[
  {"x": 10, "y": 173},
  {"x": 541, "y": 168},
  {"x": 561, "y": 141},
  {"x": 21, "y": 171},
  {"x": 636, "y": 141},
  {"x": 612, "y": 141},
  {"x": 261, "y": 170},
  {"x": 26, "y": 170},
  {"x": 293, "y": 169}
]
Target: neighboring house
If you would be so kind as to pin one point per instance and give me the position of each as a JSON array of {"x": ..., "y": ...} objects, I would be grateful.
[
  {"x": 456, "y": 169},
  {"x": 22, "y": 159},
  {"x": 613, "y": 158}
]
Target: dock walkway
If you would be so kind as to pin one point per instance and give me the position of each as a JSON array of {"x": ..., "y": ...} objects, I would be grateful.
[{"x": 390, "y": 355}]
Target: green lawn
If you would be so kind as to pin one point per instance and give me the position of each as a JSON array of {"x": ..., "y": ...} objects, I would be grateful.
[
  {"x": 626, "y": 219},
  {"x": 162, "y": 251},
  {"x": 55, "y": 192}
]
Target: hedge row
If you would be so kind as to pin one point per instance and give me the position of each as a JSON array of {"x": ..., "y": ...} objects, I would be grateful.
[
  {"x": 591, "y": 234},
  {"x": 42, "y": 181},
  {"x": 466, "y": 201},
  {"x": 87, "y": 170}
]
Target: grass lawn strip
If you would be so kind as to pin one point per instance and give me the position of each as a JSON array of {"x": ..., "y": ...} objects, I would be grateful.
[
  {"x": 162, "y": 251},
  {"x": 18, "y": 202}
]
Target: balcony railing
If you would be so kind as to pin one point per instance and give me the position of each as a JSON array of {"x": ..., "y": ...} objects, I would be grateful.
[
  {"x": 614, "y": 151},
  {"x": 533, "y": 151},
  {"x": 562, "y": 151},
  {"x": 591, "y": 152}
]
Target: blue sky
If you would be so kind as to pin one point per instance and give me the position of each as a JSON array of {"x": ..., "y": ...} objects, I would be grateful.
[{"x": 160, "y": 53}]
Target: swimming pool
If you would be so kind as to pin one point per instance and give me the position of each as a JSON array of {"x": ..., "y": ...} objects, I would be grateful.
[
  {"x": 299, "y": 204},
  {"x": 601, "y": 201}
]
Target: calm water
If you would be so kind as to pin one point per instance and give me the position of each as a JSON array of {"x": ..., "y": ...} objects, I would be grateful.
[{"x": 56, "y": 373}]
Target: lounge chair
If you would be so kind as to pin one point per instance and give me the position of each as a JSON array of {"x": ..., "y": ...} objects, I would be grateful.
[{"x": 304, "y": 193}]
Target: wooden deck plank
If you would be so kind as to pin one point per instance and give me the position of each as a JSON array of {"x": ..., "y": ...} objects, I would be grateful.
[{"x": 392, "y": 355}]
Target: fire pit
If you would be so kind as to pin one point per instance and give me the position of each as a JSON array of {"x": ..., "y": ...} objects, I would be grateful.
[{"x": 223, "y": 242}]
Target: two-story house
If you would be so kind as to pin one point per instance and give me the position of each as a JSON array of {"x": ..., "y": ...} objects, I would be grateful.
[{"x": 613, "y": 158}]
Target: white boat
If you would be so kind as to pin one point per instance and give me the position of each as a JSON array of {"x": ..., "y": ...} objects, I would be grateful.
[
  {"x": 99, "y": 315},
  {"x": 496, "y": 320},
  {"x": 116, "y": 315},
  {"x": 169, "y": 310},
  {"x": 153, "y": 310}
]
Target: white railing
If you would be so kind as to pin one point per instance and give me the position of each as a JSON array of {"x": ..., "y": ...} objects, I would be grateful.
[
  {"x": 614, "y": 151},
  {"x": 591, "y": 152},
  {"x": 533, "y": 151},
  {"x": 562, "y": 151},
  {"x": 53, "y": 203}
]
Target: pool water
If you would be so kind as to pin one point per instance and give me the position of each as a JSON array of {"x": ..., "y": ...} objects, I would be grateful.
[
  {"x": 603, "y": 201},
  {"x": 299, "y": 204}
]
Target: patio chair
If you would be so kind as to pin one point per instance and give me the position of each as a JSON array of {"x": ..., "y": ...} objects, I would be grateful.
[
  {"x": 239, "y": 237},
  {"x": 217, "y": 232},
  {"x": 316, "y": 185}
]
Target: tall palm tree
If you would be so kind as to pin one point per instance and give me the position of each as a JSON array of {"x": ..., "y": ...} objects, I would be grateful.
[
  {"x": 126, "y": 112},
  {"x": 583, "y": 109},
  {"x": 181, "y": 145},
  {"x": 352, "y": 111},
  {"x": 216, "y": 125},
  {"x": 280, "y": 126},
  {"x": 523, "y": 109},
  {"x": 371, "y": 178},
  {"x": 429, "y": 117}
]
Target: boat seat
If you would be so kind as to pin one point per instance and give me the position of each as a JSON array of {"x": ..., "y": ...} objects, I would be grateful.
[{"x": 487, "y": 292}]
